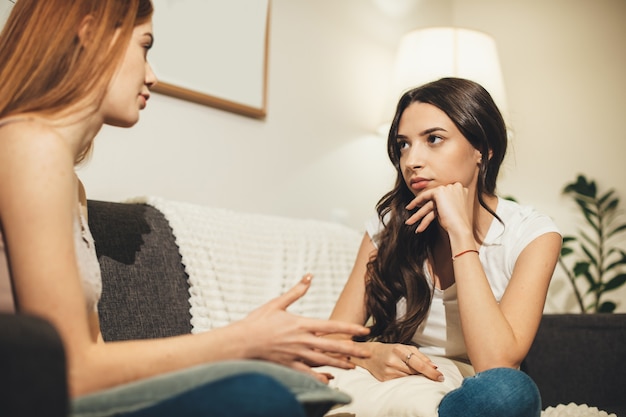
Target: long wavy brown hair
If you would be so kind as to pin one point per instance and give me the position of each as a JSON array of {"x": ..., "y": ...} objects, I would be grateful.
[
  {"x": 397, "y": 270},
  {"x": 45, "y": 68}
]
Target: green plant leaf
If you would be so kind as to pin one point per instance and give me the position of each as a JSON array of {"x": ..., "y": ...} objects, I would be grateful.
[
  {"x": 590, "y": 215},
  {"x": 594, "y": 287},
  {"x": 589, "y": 240},
  {"x": 610, "y": 206},
  {"x": 605, "y": 197},
  {"x": 615, "y": 282},
  {"x": 617, "y": 230},
  {"x": 595, "y": 257},
  {"x": 607, "y": 307},
  {"x": 619, "y": 262},
  {"x": 581, "y": 268},
  {"x": 582, "y": 186},
  {"x": 586, "y": 207},
  {"x": 591, "y": 256}
]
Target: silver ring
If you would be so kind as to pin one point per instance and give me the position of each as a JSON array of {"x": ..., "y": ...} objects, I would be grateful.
[{"x": 408, "y": 357}]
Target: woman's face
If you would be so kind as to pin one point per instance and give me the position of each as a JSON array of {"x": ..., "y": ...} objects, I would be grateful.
[
  {"x": 433, "y": 151},
  {"x": 128, "y": 91}
]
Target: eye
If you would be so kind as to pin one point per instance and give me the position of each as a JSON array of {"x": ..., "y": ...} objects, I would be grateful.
[
  {"x": 434, "y": 139},
  {"x": 402, "y": 144},
  {"x": 147, "y": 43}
]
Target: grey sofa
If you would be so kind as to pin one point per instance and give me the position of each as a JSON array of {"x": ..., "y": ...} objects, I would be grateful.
[{"x": 574, "y": 358}]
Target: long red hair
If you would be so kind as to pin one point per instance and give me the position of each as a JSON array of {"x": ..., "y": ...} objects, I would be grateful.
[{"x": 46, "y": 68}]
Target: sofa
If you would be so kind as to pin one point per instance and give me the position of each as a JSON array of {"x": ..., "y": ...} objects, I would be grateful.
[{"x": 152, "y": 252}]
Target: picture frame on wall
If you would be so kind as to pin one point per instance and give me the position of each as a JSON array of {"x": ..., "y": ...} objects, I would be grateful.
[
  {"x": 213, "y": 52},
  {"x": 210, "y": 52}
]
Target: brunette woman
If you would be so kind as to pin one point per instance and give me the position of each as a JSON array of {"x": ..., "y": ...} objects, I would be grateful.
[{"x": 451, "y": 277}]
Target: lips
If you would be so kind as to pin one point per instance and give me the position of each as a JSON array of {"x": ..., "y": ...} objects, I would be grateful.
[
  {"x": 419, "y": 183},
  {"x": 144, "y": 100}
]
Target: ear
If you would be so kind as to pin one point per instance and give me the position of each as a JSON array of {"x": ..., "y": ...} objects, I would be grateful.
[
  {"x": 480, "y": 156},
  {"x": 86, "y": 30}
]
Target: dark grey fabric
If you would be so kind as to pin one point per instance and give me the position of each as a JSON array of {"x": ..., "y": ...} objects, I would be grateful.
[
  {"x": 33, "y": 378},
  {"x": 580, "y": 358},
  {"x": 145, "y": 293}
]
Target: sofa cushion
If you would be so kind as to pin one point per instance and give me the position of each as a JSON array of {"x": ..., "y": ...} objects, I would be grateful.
[
  {"x": 580, "y": 358},
  {"x": 315, "y": 397},
  {"x": 144, "y": 285}
]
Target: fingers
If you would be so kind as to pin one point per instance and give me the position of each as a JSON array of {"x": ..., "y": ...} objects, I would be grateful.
[
  {"x": 317, "y": 358},
  {"x": 425, "y": 215},
  {"x": 340, "y": 350},
  {"x": 324, "y": 327},
  {"x": 426, "y": 221},
  {"x": 420, "y": 363},
  {"x": 323, "y": 377},
  {"x": 294, "y": 294}
]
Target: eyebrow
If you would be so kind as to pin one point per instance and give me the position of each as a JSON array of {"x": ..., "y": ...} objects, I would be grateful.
[
  {"x": 432, "y": 130},
  {"x": 424, "y": 133}
]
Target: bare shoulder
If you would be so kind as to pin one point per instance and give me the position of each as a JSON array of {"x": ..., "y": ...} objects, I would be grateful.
[
  {"x": 30, "y": 136},
  {"x": 33, "y": 157}
]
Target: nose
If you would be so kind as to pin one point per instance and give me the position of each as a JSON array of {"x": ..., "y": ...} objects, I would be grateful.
[
  {"x": 414, "y": 158},
  {"x": 151, "y": 79}
]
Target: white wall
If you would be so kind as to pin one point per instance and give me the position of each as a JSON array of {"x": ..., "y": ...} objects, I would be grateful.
[{"x": 316, "y": 154}]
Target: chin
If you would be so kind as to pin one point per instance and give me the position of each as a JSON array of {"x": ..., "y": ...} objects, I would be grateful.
[{"x": 126, "y": 122}]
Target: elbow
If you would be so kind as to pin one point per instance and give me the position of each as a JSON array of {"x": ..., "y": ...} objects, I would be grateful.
[
  {"x": 78, "y": 382},
  {"x": 83, "y": 374}
]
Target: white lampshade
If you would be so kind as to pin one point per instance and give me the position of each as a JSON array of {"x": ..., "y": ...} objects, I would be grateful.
[{"x": 426, "y": 55}]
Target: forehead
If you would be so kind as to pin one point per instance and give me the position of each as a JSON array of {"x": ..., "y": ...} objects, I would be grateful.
[
  {"x": 143, "y": 28},
  {"x": 422, "y": 116}
]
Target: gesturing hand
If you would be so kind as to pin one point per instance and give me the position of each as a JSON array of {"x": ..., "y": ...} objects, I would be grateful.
[
  {"x": 294, "y": 341},
  {"x": 394, "y": 360},
  {"x": 448, "y": 203}
]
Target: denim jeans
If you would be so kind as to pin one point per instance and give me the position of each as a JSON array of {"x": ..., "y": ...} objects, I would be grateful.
[
  {"x": 224, "y": 389},
  {"x": 253, "y": 395},
  {"x": 499, "y": 392}
]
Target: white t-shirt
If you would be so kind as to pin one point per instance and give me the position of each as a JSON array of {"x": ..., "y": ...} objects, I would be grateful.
[{"x": 440, "y": 332}]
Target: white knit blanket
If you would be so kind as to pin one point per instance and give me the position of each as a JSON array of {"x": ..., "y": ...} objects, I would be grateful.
[
  {"x": 238, "y": 261},
  {"x": 574, "y": 410}
]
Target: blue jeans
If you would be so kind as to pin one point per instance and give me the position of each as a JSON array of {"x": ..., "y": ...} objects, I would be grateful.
[
  {"x": 499, "y": 392},
  {"x": 223, "y": 389},
  {"x": 253, "y": 395}
]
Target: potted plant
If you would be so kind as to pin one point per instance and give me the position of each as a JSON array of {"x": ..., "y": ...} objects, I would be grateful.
[{"x": 598, "y": 265}]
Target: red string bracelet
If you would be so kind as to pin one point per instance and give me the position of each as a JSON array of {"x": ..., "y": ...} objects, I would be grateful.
[{"x": 463, "y": 253}]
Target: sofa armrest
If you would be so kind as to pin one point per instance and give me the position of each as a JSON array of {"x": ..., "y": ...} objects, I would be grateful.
[
  {"x": 580, "y": 358},
  {"x": 145, "y": 293},
  {"x": 33, "y": 380}
]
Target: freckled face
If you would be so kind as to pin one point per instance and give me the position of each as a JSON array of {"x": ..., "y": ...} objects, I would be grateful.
[
  {"x": 433, "y": 151},
  {"x": 129, "y": 89}
]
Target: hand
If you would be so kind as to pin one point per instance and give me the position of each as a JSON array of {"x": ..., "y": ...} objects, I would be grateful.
[
  {"x": 393, "y": 360},
  {"x": 295, "y": 341},
  {"x": 449, "y": 204}
]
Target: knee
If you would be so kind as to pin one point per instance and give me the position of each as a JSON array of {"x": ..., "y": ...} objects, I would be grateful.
[{"x": 496, "y": 392}]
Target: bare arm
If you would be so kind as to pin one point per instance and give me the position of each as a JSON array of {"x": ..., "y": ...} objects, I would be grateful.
[
  {"x": 500, "y": 334},
  {"x": 386, "y": 360},
  {"x": 38, "y": 202},
  {"x": 495, "y": 334}
]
